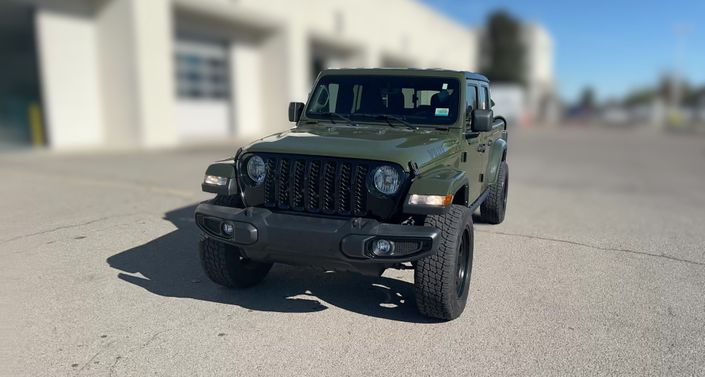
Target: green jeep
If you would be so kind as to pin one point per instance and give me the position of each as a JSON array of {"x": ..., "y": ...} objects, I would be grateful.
[{"x": 384, "y": 169}]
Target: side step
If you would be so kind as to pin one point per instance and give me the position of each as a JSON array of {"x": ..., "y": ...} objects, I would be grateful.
[{"x": 480, "y": 199}]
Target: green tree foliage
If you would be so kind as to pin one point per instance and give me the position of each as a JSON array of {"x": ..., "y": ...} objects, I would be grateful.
[{"x": 503, "y": 51}]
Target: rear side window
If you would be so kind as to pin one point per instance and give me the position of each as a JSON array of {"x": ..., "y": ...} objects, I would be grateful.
[
  {"x": 471, "y": 97},
  {"x": 483, "y": 101}
]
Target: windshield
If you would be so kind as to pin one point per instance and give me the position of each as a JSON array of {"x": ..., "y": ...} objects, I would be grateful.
[{"x": 416, "y": 100}]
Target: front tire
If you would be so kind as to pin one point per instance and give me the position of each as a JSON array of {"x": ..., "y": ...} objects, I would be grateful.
[
  {"x": 442, "y": 280},
  {"x": 225, "y": 265}
]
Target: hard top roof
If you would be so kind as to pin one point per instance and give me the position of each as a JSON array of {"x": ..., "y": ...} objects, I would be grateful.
[{"x": 406, "y": 71}]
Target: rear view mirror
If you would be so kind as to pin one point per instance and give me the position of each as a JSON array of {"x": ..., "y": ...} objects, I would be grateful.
[
  {"x": 295, "y": 110},
  {"x": 482, "y": 120}
]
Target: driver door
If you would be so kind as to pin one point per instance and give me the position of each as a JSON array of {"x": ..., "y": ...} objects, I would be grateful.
[{"x": 473, "y": 162}]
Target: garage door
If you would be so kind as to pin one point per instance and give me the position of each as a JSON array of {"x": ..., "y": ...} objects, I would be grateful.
[{"x": 203, "y": 89}]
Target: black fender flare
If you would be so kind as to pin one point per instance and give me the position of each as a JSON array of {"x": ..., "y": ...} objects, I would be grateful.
[{"x": 439, "y": 181}]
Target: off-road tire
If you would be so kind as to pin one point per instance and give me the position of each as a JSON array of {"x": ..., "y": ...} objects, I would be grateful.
[
  {"x": 225, "y": 265},
  {"x": 441, "y": 292},
  {"x": 493, "y": 208}
]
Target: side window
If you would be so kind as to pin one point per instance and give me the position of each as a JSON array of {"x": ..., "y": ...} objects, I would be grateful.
[
  {"x": 482, "y": 102},
  {"x": 487, "y": 97}
]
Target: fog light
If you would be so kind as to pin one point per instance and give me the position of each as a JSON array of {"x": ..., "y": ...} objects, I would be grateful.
[
  {"x": 228, "y": 229},
  {"x": 383, "y": 247}
]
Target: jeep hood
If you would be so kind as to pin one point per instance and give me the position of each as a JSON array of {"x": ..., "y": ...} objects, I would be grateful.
[{"x": 380, "y": 143}]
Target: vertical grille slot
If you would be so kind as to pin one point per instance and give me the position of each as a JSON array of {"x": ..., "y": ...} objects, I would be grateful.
[
  {"x": 358, "y": 191},
  {"x": 297, "y": 189},
  {"x": 328, "y": 187},
  {"x": 313, "y": 199},
  {"x": 283, "y": 183},
  {"x": 344, "y": 180},
  {"x": 269, "y": 184}
]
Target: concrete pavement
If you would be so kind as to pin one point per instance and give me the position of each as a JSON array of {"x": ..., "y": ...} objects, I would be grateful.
[{"x": 599, "y": 268}]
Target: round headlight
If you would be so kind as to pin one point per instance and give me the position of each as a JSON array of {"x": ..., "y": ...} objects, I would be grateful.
[
  {"x": 256, "y": 169},
  {"x": 386, "y": 179}
]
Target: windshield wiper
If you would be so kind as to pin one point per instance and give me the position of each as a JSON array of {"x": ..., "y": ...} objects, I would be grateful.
[
  {"x": 388, "y": 118},
  {"x": 341, "y": 116},
  {"x": 401, "y": 120}
]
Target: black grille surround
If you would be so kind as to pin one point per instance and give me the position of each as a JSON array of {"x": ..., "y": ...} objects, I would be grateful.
[{"x": 325, "y": 186}]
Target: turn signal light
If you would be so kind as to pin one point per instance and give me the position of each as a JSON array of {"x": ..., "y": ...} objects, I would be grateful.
[{"x": 431, "y": 200}]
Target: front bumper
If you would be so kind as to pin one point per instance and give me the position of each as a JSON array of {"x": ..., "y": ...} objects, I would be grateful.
[{"x": 340, "y": 244}]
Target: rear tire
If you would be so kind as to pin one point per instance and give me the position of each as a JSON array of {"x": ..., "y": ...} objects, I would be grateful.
[
  {"x": 493, "y": 208},
  {"x": 442, "y": 280},
  {"x": 225, "y": 265}
]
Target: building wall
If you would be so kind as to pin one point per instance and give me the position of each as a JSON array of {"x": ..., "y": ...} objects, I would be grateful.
[
  {"x": 123, "y": 51},
  {"x": 541, "y": 98},
  {"x": 539, "y": 51},
  {"x": 370, "y": 32},
  {"x": 154, "y": 65},
  {"x": 70, "y": 81},
  {"x": 119, "y": 83}
]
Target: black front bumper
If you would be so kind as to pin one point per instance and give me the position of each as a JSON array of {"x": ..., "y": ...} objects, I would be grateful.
[{"x": 334, "y": 243}]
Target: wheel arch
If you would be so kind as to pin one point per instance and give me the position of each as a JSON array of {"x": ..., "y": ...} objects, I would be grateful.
[{"x": 461, "y": 196}]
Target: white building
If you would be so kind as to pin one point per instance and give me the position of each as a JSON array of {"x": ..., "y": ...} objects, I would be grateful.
[
  {"x": 161, "y": 73},
  {"x": 540, "y": 86},
  {"x": 536, "y": 102}
]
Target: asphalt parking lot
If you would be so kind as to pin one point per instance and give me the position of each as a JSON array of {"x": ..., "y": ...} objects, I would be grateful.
[{"x": 599, "y": 269}]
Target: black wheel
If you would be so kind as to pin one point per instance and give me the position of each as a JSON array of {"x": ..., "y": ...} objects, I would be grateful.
[
  {"x": 493, "y": 208},
  {"x": 225, "y": 265},
  {"x": 442, "y": 281}
]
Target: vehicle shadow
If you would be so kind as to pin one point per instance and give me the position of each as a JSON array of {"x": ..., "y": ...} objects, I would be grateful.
[
  {"x": 169, "y": 266},
  {"x": 477, "y": 219}
]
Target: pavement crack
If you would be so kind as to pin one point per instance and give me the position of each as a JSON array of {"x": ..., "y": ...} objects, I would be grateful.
[
  {"x": 119, "y": 358},
  {"x": 112, "y": 367},
  {"x": 153, "y": 337},
  {"x": 62, "y": 227},
  {"x": 105, "y": 182},
  {"x": 612, "y": 249},
  {"x": 94, "y": 356},
  {"x": 54, "y": 229}
]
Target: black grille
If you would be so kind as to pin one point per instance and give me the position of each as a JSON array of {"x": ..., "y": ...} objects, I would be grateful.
[{"x": 317, "y": 185}]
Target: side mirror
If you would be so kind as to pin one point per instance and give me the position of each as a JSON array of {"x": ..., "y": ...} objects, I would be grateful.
[
  {"x": 482, "y": 120},
  {"x": 295, "y": 110}
]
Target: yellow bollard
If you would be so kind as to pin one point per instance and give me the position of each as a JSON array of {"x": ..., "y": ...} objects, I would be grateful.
[{"x": 35, "y": 124}]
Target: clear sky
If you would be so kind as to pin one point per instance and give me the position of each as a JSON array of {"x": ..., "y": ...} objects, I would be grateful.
[{"x": 613, "y": 46}]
